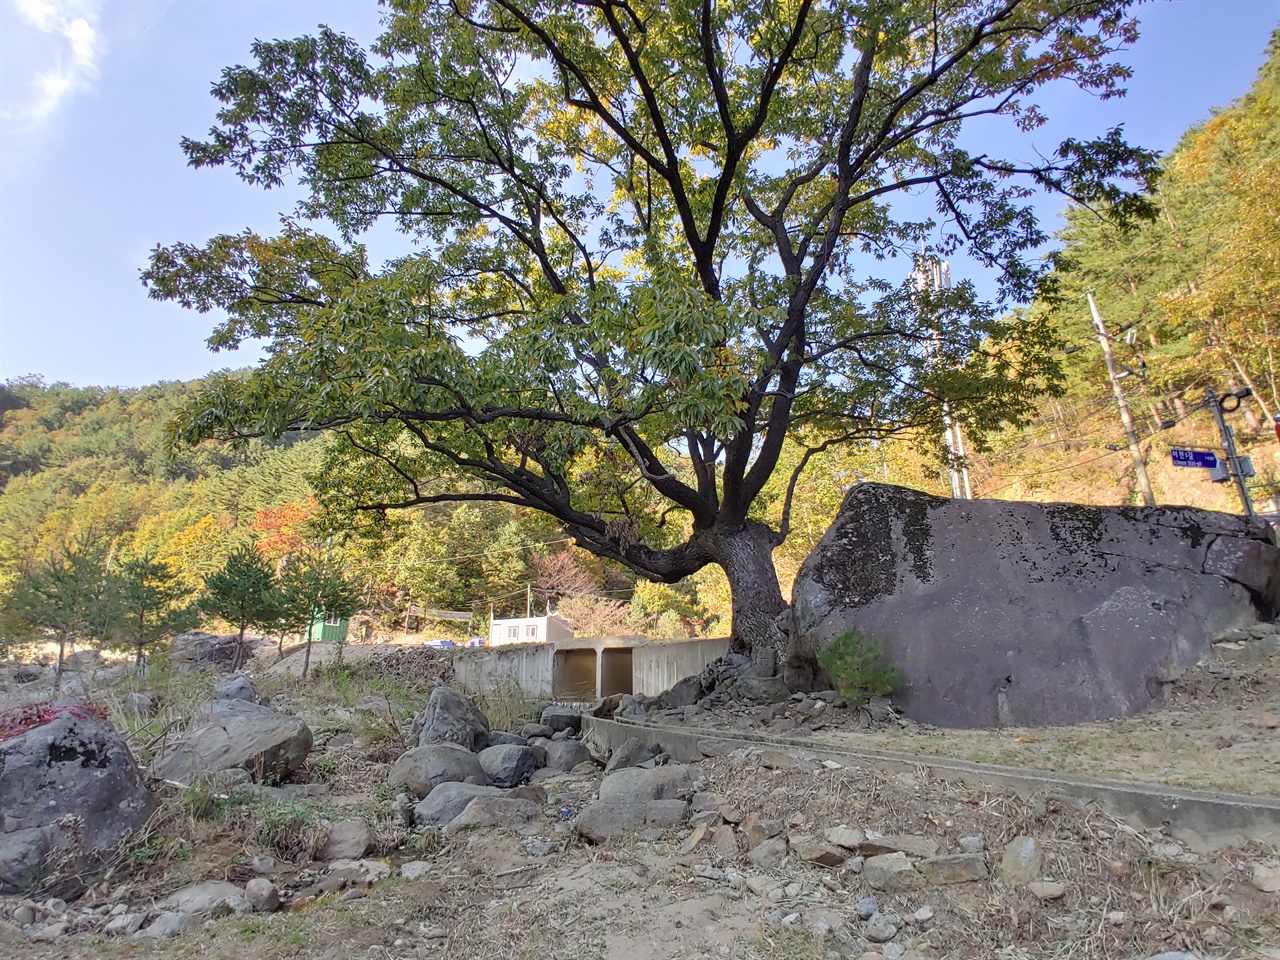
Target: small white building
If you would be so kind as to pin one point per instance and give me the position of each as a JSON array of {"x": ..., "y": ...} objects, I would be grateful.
[{"x": 528, "y": 630}]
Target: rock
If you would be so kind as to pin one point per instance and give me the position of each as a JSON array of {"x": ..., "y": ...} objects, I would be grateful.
[
  {"x": 450, "y": 717},
  {"x": 539, "y": 847},
  {"x": 866, "y": 908},
  {"x": 499, "y": 738},
  {"x": 665, "y": 813},
  {"x": 508, "y": 764},
  {"x": 200, "y": 899},
  {"x": 954, "y": 868},
  {"x": 531, "y": 730},
  {"x": 254, "y": 738},
  {"x": 167, "y": 926},
  {"x": 348, "y": 840},
  {"x": 140, "y": 706},
  {"x": 770, "y": 854},
  {"x": 50, "y": 931},
  {"x": 624, "y": 799},
  {"x": 1029, "y": 613},
  {"x": 261, "y": 893},
  {"x": 447, "y": 801},
  {"x": 845, "y": 836},
  {"x": 660, "y": 783},
  {"x": 564, "y": 755},
  {"x": 1046, "y": 889},
  {"x": 725, "y": 842},
  {"x": 422, "y": 769},
  {"x": 632, "y": 751},
  {"x": 923, "y": 915},
  {"x": 1022, "y": 860},
  {"x": 235, "y": 688},
  {"x": 68, "y": 762},
  {"x": 124, "y": 925},
  {"x": 880, "y": 929},
  {"x": 972, "y": 844},
  {"x": 195, "y": 650},
  {"x": 1265, "y": 878},
  {"x": 610, "y": 817},
  {"x": 891, "y": 873},
  {"x": 261, "y": 864},
  {"x": 912, "y": 846},
  {"x": 363, "y": 872},
  {"x": 695, "y": 839},
  {"x": 514, "y": 813},
  {"x": 813, "y": 850},
  {"x": 24, "y": 916},
  {"x": 415, "y": 870},
  {"x": 716, "y": 748},
  {"x": 562, "y": 718}
]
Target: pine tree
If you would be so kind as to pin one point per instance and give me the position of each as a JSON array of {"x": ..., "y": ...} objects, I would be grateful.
[
  {"x": 152, "y": 602},
  {"x": 244, "y": 594}
]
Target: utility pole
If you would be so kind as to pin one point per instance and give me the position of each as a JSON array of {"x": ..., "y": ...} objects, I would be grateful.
[
  {"x": 528, "y": 600},
  {"x": 1234, "y": 466},
  {"x": 931, "y": 274},
  {"x": 1139, "y": 465}
]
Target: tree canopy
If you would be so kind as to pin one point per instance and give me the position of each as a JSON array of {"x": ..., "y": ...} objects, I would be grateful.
[{"x": 649, "y": 249}]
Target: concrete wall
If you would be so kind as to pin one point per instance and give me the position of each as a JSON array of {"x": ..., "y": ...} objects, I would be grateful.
[
  {"x": 527, "y": 668},
  {"x": 583, "y": 669},
  {"x": 657, "y": 667}
]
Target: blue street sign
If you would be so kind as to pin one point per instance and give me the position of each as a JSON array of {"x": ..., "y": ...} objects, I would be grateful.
[{"x": 1194, "y": 458}]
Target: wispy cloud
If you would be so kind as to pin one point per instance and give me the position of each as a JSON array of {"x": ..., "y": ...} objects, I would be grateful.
[{"x": 63, "y": 46}]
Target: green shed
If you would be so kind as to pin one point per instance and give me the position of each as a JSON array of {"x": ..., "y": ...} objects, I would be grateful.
[{"x": 330, "y": 629}]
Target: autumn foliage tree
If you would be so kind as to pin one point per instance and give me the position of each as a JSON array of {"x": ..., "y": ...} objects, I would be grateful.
[{"x": 649, "y": 246}]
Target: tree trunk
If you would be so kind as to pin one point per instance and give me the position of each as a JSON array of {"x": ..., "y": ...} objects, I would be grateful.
[
  {"x": 62, "y": 655},
  {"x": 745, "y": 553},
  {"x": 306, "y": 657},
  {"x": 240, "y": 658}
]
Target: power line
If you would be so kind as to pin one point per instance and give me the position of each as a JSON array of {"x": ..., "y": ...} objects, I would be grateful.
[{"x": 487, "y": 553}]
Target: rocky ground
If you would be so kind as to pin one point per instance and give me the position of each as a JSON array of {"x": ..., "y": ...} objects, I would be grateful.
[
  {"x": 1218, "y": 727},
  {"x": 374, "y": 845}
]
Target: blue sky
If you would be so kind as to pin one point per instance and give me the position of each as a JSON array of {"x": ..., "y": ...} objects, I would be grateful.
[{"x": 95, "y": 95}]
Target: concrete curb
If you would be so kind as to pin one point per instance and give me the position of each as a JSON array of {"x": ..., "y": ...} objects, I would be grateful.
[{"x": 1205, "y": 821}]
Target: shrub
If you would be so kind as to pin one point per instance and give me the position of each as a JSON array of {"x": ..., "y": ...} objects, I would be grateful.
[{"x": 858, "y": 668}]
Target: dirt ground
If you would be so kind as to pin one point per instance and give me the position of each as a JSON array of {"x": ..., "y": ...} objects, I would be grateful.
[
  {"x": 1128, "y": 895},
  {"x": 488, "y": 894},
  {"x": 1219, "y": 729}
]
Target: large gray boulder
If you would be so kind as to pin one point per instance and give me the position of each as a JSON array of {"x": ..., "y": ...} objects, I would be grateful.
[
  {"x": 508, "y": 764},
  {"x": 447, "y": 801},
  {"x": 450, "y": 717},
  {"x": 69, "y": 790},
  {"x": 1028, "y": 613},
  {"x": 622, "y": 807},
  {"x": 422, "y": 769},
  {"x": 564, "y": 755},
  {"x": 237, "y": 734},
  {"x": 196, "y": 650}
]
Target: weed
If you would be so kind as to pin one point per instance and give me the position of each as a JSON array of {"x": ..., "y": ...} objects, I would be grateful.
[{"x": 858, "y": 668}]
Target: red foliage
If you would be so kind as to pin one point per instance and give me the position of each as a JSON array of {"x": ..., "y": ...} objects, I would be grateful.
[
  {"x": 282, "y": 531},
  {"x": 31, "y": 715}
]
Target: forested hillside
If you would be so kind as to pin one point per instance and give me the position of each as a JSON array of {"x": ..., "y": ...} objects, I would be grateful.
[{"x": 1192, "y": 299}]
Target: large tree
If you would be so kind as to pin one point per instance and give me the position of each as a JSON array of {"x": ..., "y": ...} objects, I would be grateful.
[{"x": 649, "y": 245}]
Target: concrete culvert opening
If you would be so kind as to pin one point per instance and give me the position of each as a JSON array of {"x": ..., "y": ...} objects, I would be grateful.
[
  {"x": 615, "y": 672},
  {"x": 574, "y": 675}
]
